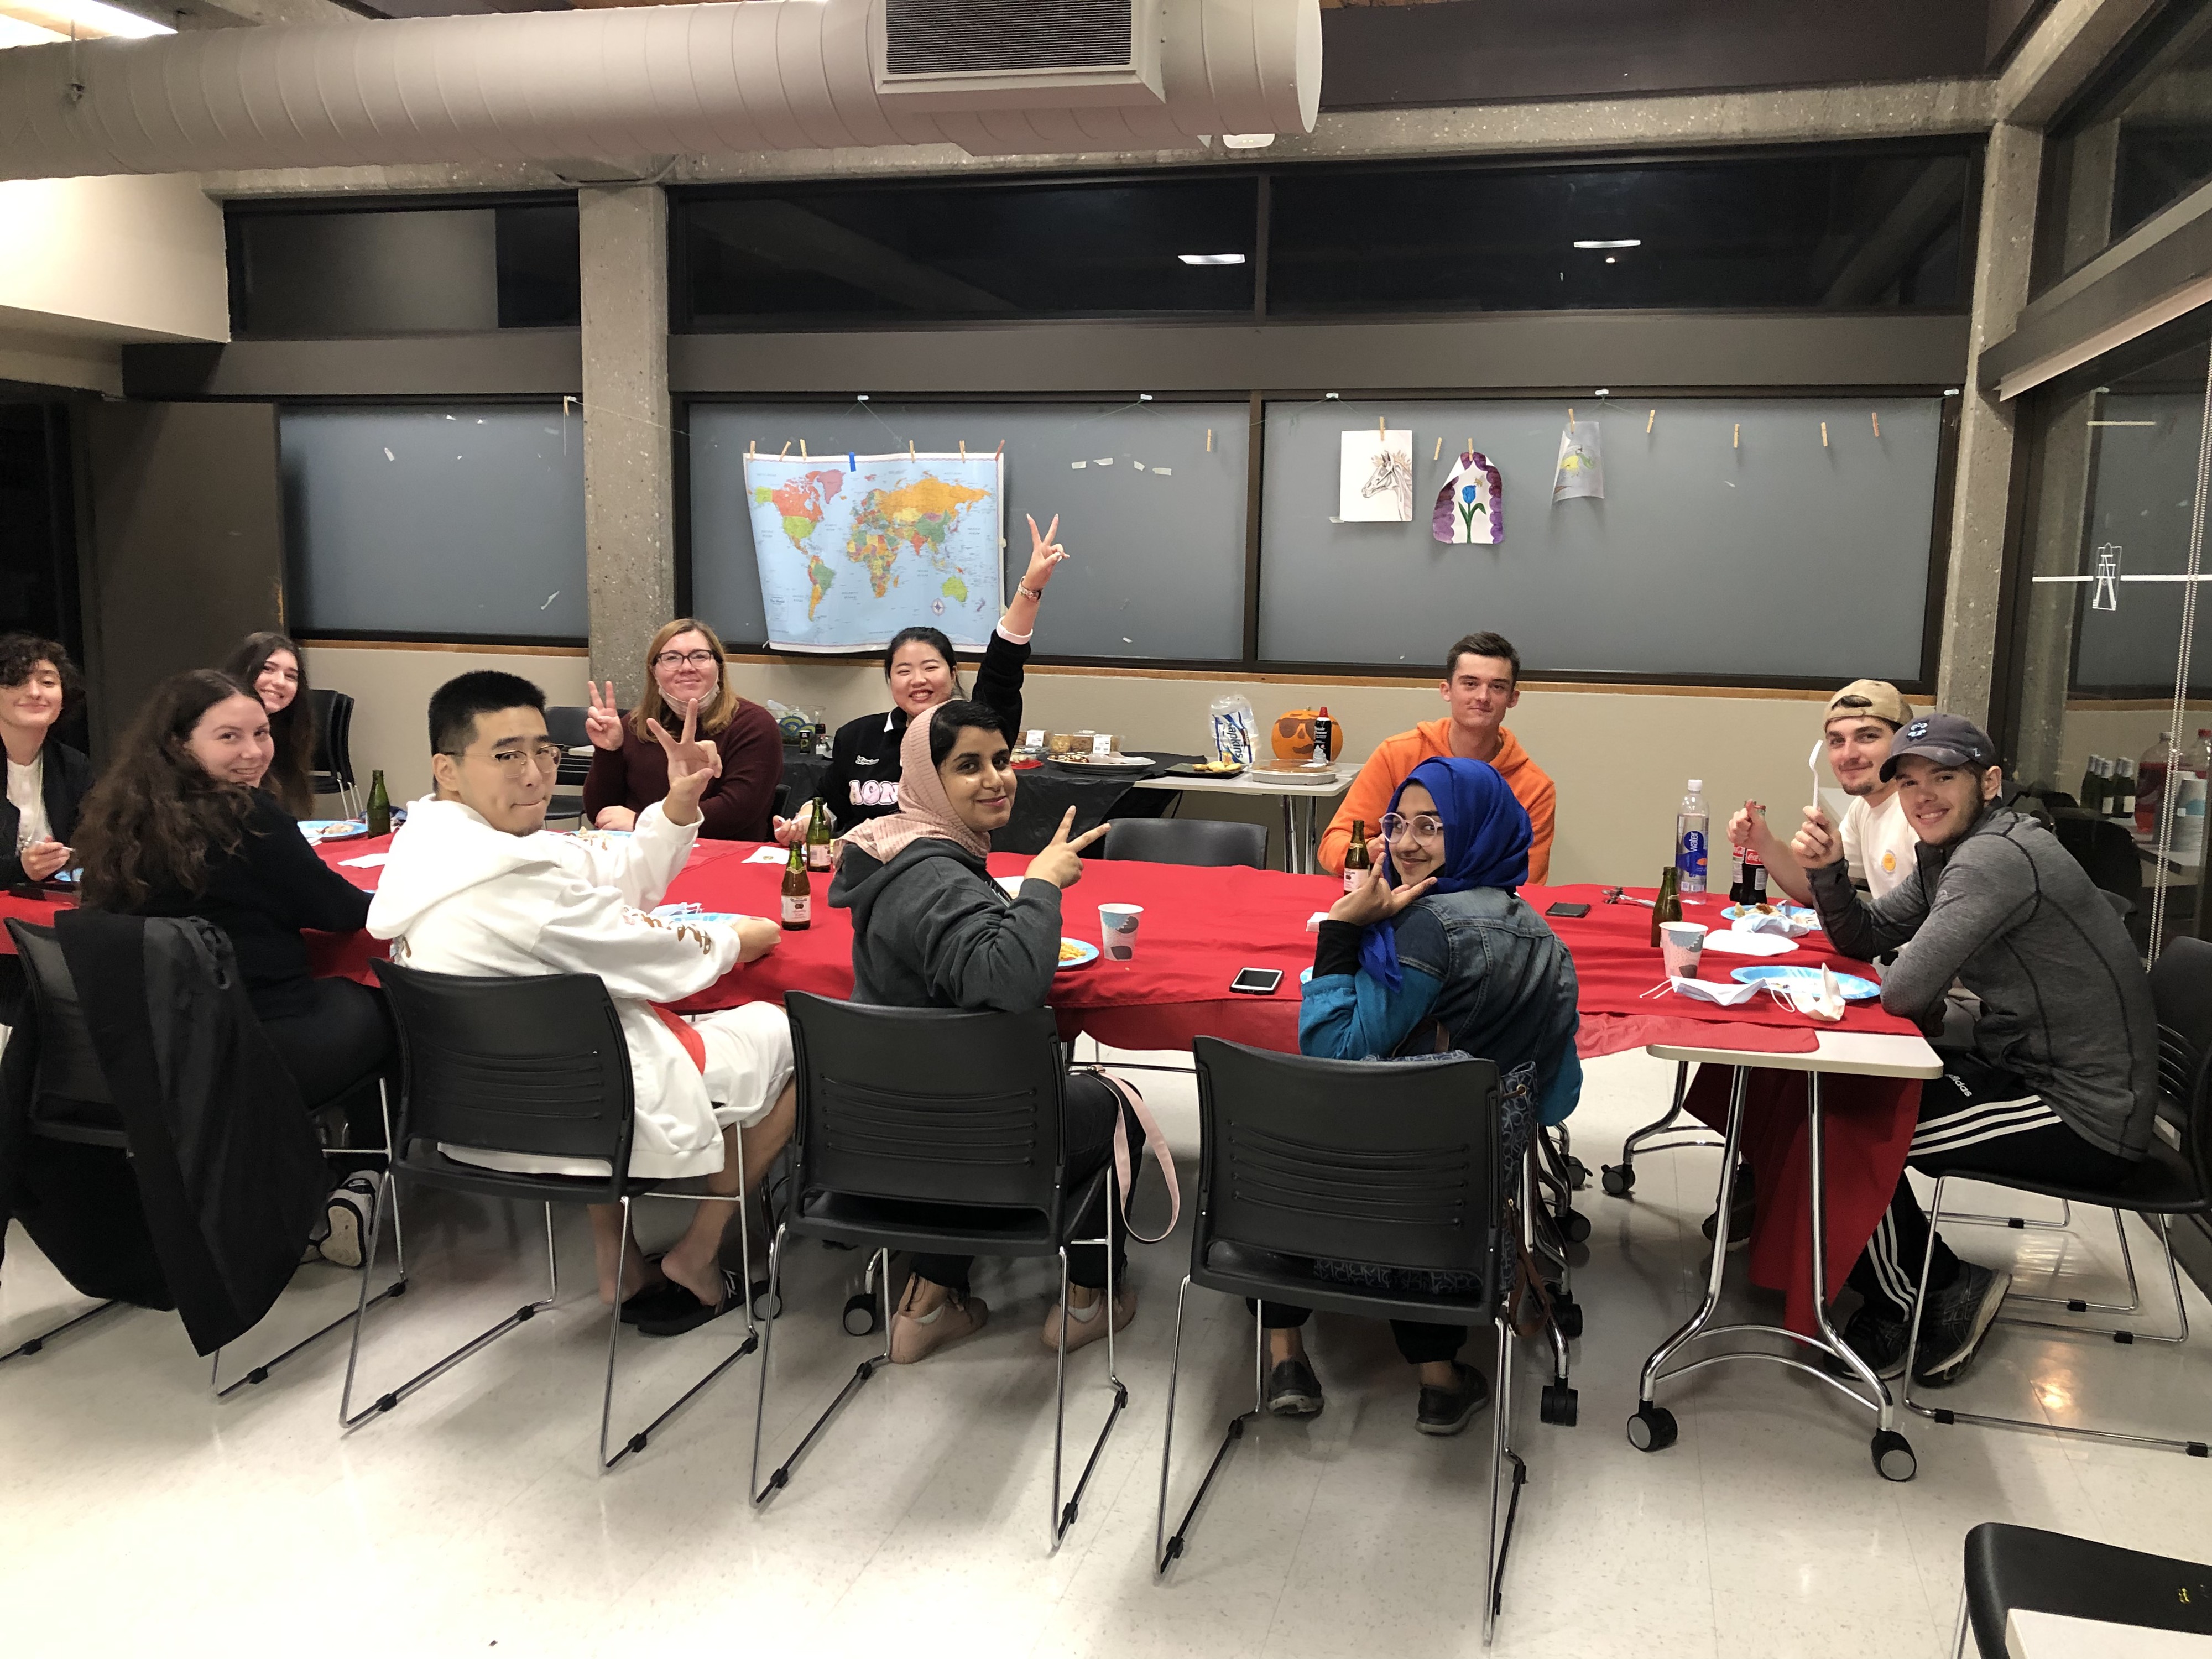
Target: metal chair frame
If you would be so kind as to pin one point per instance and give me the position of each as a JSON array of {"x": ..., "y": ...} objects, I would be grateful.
[
  {"x": 33, "y": 1345},
  {"x": 616, "y": 1188}
]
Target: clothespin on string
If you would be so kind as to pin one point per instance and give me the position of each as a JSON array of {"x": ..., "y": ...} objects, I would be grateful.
[
  {"x": 963, "y": 449},
  {"x": 1874, "y": 414},
  {"x": 802, "y": 449},
  {"x": 909, "y": 449},
  {"x": 1439, "y": 455},
  {"x": 1209, "y": 441},
  {"x": 1002, "y": 449},
  {"x": 786, "y": 449},
  {"x": 1648, "y": 419},
  {"x": 1824, "y": 434},
  {"x": 1570, "y": 417},
  {"x": 1735, "y": 439}
]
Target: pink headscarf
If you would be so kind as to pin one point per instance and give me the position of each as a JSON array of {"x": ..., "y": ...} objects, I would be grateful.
[{"x": 925, "y": 809}]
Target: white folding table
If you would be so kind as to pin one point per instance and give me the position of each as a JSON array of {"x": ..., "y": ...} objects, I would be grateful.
[{"x": 1298, "y": 791}]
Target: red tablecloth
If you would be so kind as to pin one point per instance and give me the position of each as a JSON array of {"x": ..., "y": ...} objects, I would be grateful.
[{"x": 1200, "y": 925}]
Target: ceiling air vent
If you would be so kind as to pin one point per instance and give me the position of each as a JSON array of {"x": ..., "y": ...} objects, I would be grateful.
[{"x": 947, "y": 55}]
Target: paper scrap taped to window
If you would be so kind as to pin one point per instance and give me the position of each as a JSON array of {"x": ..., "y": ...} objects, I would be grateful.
[
  {"x": 1375, "y": 481},
  {"x": 852, "y": 551},
  {"x": 1581, "y": 471},
  {"x": 1471, "y": 506}
]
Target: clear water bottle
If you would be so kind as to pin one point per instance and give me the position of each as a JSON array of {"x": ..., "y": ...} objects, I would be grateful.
[{"x": 1691, "y": 821}]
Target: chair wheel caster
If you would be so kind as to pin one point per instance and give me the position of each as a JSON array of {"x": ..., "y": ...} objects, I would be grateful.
[
  {"x": 861, "y": 1317},
  {"x": 1574, "y": 1226},
  {"x": 1619, "y": 1180},
  {"x": 1567, "y": 1314},
  {"x": 1558, "y": 1405},
  {"x": 1577, "y": 1173},
  {"x": 1652, "y": 1429},
  {"x": 1892, "y": 1456},
  {"x": 765, "y": 1306}
]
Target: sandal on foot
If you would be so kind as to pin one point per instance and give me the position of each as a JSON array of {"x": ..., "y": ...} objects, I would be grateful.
[{"x": 684, "y": 1311}]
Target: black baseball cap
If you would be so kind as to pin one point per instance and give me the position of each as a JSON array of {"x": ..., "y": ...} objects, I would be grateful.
[{"x": 1947, "y": 739}]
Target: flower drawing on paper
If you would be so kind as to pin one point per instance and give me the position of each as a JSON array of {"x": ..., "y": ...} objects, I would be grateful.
[{"x": 1470, "y": 507}]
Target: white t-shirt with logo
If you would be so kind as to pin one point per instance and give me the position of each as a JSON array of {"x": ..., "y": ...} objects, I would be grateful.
[{"x": 1879, "y": 843}]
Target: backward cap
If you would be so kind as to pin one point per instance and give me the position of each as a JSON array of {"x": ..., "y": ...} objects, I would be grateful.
[{"x": 1878, "y": 698}]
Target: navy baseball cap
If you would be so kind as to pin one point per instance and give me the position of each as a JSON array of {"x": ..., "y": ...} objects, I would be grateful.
[{"x": 1947, "y": 739}]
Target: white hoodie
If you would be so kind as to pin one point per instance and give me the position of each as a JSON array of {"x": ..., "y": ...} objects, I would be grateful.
[{"x": 458, "y": 896}]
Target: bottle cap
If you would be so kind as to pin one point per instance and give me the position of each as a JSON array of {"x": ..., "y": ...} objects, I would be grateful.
[{"x": 1697, "y": 786}]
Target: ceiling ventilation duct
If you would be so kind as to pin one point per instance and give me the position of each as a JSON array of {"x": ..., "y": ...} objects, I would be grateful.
[{"x": 657, "y": 80}]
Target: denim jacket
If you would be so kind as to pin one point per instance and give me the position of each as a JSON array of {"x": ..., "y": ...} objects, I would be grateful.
[{"x": 1481, "y": 965}]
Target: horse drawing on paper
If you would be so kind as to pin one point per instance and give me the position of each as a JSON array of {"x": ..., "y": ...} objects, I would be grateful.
[{"x": 1393, "y": 474}]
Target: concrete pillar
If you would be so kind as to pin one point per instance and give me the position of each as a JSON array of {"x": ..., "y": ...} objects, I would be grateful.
[
  {"x": 2003, "y": 244},
  {"x": 629, "y": 510},
  {"x": 2057, "y": 516}
]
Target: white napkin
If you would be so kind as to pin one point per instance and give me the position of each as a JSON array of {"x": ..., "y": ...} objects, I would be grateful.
[
  {"x": 1314, "y": 921},
  {"x": 1726, "y": 991},
  {"x": 1735, "y": 941},
  {"x": 1822, "y": 1001},
  {"x": 367, "y": 861},
  {"x": 769, "y": 855},
  {"x": 1789, "y": 927}
]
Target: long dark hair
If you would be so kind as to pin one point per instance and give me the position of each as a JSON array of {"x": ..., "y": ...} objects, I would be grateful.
[
  {"x": 932, "y": 637},
  {"x": 156, "y": 815},
  {"x": 292, "y": 727}
]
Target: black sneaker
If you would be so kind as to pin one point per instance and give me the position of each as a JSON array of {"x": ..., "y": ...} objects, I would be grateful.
[
  {"x": 1954, "y": 1321},
  {"x": 1879, "y": 1340},
  {"x": 1447, "y": 1411},
  {"x": 1743, "y": 1210},
  {"x": 1293, "y": 1390}
]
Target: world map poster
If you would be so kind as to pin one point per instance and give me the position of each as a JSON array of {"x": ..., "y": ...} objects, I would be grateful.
[{"x": 854, "y": 547}]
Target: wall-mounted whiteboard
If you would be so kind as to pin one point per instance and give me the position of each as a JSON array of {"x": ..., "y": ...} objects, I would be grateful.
[
  {"x": 1730, "y": 541},
  {"x": 1152, "y": 518}
]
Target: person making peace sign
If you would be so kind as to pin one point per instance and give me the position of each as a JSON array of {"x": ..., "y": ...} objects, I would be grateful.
[
  {"x": 919, "y": 664},
  {"x": 684, "y": 665}
]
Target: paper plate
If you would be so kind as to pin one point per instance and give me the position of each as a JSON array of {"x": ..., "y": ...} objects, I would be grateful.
[
  {"x": 323, "y": 829},
  {"x": 1854, "y": 988},
  {"x": 1086, "y": 954},
  {"x": 1105, "y": 762},
  {"x": 1728, "y": 942},
  {"x": 1794, "y": 912},
  {"x": 705, "y": 918}
]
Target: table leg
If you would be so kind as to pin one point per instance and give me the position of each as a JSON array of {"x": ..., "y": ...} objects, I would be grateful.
[
  {"x": 1739, "y": 1089},
  {"x": 1816, "y": 1158},
  {"x": 1290, "y": 836}
]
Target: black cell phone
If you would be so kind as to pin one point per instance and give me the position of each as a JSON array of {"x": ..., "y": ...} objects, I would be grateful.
[
  {"x": 1563, "y": 909},
  {"x": 1257, "y": 981}
]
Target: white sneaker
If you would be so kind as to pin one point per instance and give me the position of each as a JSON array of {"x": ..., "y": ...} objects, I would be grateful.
[{"x": 347, "y": 1211}]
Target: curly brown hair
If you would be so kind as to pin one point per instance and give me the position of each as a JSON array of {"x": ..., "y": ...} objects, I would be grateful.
[
  {"x": 292, "y": 727},
  {"x": 155, "y": 815},
  {"x": 21, "y": 653}
]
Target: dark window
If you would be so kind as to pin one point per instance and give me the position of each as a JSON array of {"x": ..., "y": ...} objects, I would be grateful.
[
  {"x": 322, "y": 273},
  {"x": 2137, "y": 141},
  {"x": 937, "y": 251},
  {"x": 1852, "y": 230}
]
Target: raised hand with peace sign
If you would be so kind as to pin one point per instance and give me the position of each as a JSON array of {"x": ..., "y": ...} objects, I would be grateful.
[
  {"x": 603, "y": 721},
  {"x": 692, "y": 765},
  {"x": 1045, "y": 555},
  {"x": 1061, "y": 861}
]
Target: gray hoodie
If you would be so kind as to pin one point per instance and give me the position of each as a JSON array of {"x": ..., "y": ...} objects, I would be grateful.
[
  {"x": 2007, "y": 911},
  {"x": 932, "y": 929}
]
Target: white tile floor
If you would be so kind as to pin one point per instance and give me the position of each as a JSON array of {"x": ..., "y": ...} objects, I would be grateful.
[{"x": 138, "y": 1514}]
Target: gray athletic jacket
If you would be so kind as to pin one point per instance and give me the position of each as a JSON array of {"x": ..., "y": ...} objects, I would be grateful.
[
  {"x": 2007, "y": 912},
  {"x": 931, "y": 929}
]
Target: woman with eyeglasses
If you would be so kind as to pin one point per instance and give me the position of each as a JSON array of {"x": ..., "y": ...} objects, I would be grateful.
[
  {"x": 686, "y": 668},
  {"x": 181, "y": 826},
  {"x": 922, "y": 672},
  {"x": 1436, "y": 953}
]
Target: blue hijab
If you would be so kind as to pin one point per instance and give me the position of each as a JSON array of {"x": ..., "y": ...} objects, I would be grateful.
[{"x": 1486, "y": 845}]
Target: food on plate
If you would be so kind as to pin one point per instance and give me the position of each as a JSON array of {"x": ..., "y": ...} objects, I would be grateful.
[{"x": 1071, "y": 951}]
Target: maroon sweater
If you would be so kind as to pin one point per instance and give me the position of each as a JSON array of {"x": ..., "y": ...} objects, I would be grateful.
[{"x": 737, "y": 806}]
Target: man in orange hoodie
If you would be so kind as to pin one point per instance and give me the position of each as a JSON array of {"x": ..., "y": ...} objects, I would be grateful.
[{"x": 1482, "y": 680}]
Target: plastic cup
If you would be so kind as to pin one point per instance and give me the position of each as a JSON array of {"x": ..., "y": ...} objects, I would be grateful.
[
  {"x": 1117, "y": 930},
  {"x": 1681, "y": 944}
]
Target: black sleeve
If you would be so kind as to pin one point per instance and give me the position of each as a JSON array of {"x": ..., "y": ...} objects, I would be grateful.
[
  {"x": 998, "y": 683},
  {"x": 300, "y": 889},
  {"x": 837, "y": 781},
  {"x": 69, "y": 781},
  {"x": 1337, "y": 949}
]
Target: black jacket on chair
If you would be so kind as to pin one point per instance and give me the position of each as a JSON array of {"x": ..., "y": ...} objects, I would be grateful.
[
  {"x": 67, "y": 780},
  {"x": 223, "y": 1166}
]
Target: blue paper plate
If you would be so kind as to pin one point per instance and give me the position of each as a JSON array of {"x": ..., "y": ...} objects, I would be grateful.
[
  {"x": 1089, "y": 954},
  {"x": 1800, "y": 911},
  {"x": 705, "y": 918},
  {"x": 1854, "y": 988}
]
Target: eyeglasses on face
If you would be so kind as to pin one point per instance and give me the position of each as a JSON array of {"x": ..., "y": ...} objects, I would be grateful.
[
  {"x": 679, "y": 659},
  {"x": 1422, "y": 826},
  {"x": 544, "y": 756}
]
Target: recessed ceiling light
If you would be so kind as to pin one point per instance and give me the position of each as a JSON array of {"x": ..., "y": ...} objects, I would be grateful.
[
  {"x": 84, "y": 20},
  {"x": 1211, "y": 258},
  {"x": 1623, "y": 241}
]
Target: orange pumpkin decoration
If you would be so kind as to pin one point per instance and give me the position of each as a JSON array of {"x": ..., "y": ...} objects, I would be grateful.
[{"x": 1294, "y": 735}]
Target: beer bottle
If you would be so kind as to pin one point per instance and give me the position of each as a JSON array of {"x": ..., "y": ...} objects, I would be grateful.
[
  {"x": 1357, "y": 864},
  {"x": 798, "y": 893},
  {"x": 817, "y": 839},
  {"x": 1668, "y": 905},
  {"x": 379, "y": 806}
]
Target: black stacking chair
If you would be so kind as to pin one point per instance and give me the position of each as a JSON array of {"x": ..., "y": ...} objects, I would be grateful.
[
  {"x": 564, "y": 724},
  {"x": 1396, "y": 1165},
  {"x": 70, "y": 1102},
  {"x": 2174, "y": 1179},
  {"x": 933, "y": 1129},
  {"x": 534, "y": 1066},
  {"x": 1212, "y": 841},
  {"x": 2021, "y": 1569},
  {"x": 330, "y": 768}
]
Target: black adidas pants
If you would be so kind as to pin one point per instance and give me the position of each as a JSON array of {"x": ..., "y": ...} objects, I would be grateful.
[{"x": 1973, "y": 1117}]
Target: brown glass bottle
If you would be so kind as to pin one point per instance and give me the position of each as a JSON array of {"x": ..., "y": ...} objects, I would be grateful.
[
  {"x": 1356, "y": 861},
  {"x": 1669, "y": 906},
  {"x": 798, "y": 892}
]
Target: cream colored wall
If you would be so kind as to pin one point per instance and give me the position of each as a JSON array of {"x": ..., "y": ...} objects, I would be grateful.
[
  {"x": 122, "y": 258},
  {"x": 390, "y": 687},
  {"x": 1620, "y": 757}
]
